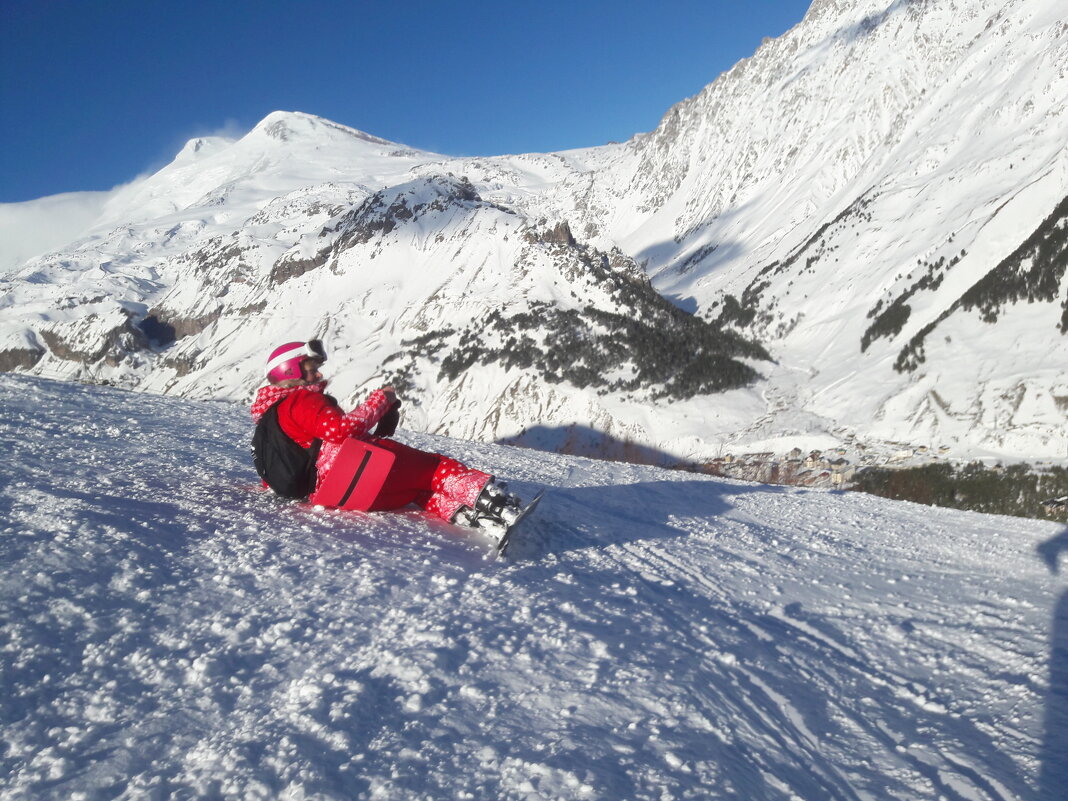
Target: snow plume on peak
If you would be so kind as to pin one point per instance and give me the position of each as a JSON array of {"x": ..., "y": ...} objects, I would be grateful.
[
  {"x": 170, "y": 630},
  {"x": 34, "y": 227}
]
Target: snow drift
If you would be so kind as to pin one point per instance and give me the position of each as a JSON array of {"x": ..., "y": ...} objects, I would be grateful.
[{"x": 168, "y": 630}]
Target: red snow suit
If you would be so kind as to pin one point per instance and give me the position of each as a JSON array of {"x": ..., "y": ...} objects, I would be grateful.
[{"x": 434, "y": 482}]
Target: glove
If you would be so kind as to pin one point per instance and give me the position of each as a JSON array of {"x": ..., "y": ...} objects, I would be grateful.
[{"x": 388, "y": 424}]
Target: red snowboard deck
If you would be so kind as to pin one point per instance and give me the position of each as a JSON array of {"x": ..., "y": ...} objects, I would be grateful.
[{"x": 356, "y": 477}]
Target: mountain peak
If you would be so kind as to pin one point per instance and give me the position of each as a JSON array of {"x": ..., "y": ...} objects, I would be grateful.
[{"x": 286, "y": 126}]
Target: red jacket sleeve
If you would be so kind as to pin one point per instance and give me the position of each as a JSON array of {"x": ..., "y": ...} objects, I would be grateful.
[{"x": 312, "y": 415}]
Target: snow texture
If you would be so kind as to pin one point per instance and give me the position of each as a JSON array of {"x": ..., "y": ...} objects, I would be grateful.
[{"x": 168, "y": 630}]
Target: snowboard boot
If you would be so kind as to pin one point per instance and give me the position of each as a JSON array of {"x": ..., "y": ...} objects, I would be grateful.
[
  {"x": 495, "y": 510},
  {"x": 496, "y": 504}
]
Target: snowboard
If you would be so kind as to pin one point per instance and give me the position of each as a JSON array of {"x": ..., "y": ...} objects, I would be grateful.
[{"x": 506, "y": 540}]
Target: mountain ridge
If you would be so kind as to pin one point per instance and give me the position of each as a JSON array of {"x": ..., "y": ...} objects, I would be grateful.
[{"x": 825, "y": 200}]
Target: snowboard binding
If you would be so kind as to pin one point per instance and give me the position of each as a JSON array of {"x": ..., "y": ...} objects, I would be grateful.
[{"x": 495, "y": 511}]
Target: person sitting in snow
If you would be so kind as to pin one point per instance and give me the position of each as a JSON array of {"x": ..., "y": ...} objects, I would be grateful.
[{"x": 439, "y": 484}]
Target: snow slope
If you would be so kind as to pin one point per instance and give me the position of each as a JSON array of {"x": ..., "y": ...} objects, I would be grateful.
[
  {"x": 881, "y": 153},
  {"x": 168, "y": 630}
]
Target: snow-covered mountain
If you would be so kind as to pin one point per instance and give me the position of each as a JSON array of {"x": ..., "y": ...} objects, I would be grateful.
[
  {"x": 860, "y": 230},
  {"x": 170, "y": 630}
]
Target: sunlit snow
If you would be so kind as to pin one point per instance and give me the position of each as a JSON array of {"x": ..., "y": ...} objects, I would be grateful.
[{"x": 169, "y": 630}]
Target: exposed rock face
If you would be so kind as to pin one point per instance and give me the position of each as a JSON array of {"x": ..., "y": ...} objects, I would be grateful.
[
  {"x": 19, "y": 359},
  {"x": 94, "y": 338}
]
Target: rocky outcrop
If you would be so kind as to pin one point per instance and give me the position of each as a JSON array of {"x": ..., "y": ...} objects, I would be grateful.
[
  {"x": 19, "y": 358},
  {"x": 90, "y": 339}
]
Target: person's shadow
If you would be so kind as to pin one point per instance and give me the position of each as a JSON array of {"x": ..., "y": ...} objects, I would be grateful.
[{"x": 1053, "y": 772}]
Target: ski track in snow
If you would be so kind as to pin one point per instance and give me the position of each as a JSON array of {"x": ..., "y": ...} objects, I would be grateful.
[{"x": 168, "y": 630}]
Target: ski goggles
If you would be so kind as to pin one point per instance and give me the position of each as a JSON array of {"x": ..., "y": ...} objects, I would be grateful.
[{"x": 315, "y": 349}]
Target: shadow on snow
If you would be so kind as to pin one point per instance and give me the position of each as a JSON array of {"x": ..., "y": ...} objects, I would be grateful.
[{"x": 1053, "y": 773}]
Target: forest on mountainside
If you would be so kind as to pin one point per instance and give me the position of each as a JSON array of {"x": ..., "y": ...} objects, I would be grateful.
[{"x": 1018, "y": 490}]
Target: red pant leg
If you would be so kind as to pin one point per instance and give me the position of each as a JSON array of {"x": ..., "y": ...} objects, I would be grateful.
[
  {"x": 437, "y": 483},
  {"x": 411, "y": 478}
]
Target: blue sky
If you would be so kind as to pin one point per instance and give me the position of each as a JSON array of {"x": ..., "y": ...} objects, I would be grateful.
[{"x": 96, "y": 92}]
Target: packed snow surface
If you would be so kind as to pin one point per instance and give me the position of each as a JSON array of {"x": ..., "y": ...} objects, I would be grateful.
[{"x": 168, "y": 630}]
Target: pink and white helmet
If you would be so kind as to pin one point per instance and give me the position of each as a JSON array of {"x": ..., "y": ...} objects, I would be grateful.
[{"x": 284, "y": 362}]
